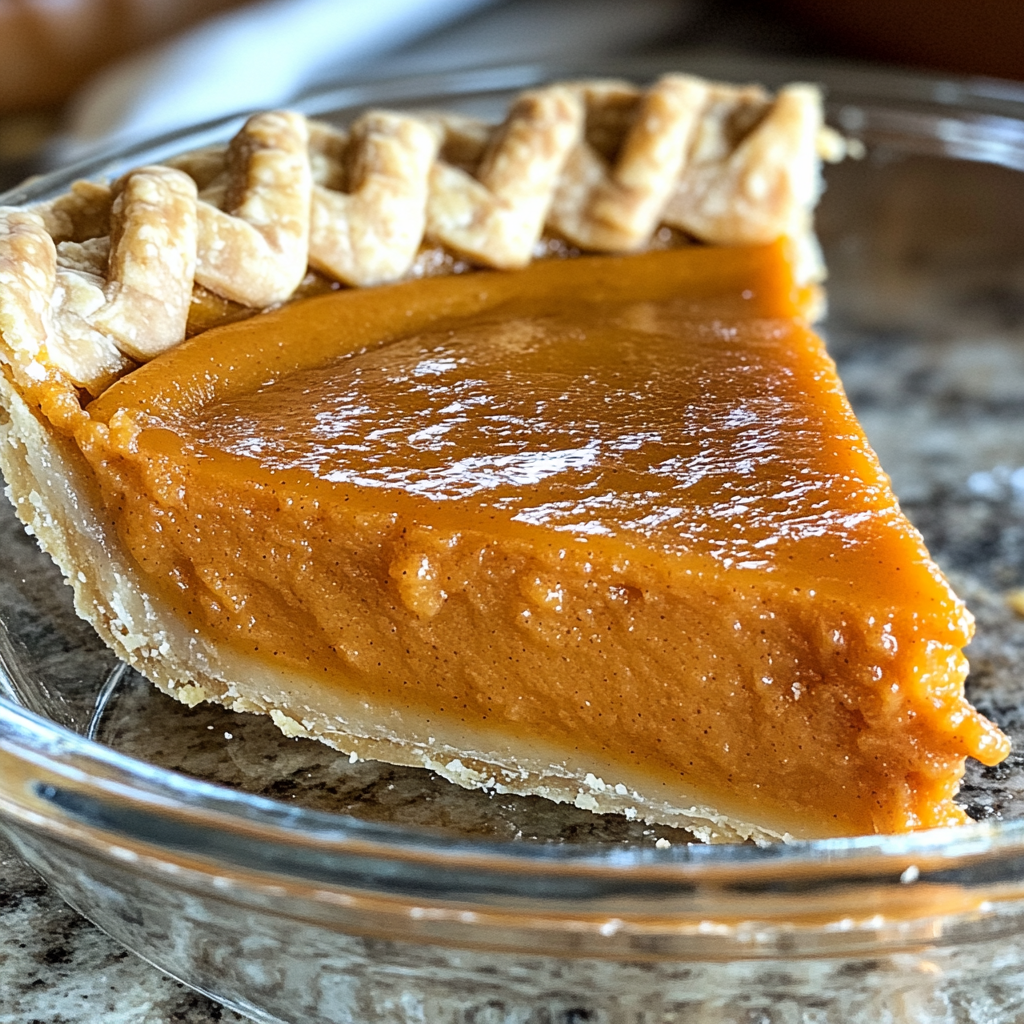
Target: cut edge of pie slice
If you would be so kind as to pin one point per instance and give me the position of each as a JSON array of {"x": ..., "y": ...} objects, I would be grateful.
[
  {"x": 47, "y": 483},
  {"x": 132, "y": 263},
  {"x": 139, "y": 481}
]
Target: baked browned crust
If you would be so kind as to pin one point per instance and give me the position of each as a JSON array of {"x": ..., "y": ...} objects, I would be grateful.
[{"x": 102, "y": 278}]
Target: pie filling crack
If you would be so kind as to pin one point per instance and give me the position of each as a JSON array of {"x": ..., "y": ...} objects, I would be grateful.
[{"x": 531, "y": 471}]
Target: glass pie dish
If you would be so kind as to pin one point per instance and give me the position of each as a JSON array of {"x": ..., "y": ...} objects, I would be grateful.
[{"x": 293, "y": 885}]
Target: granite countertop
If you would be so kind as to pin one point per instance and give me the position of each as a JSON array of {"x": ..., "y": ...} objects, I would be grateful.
[{"x": 57, "y": 968}]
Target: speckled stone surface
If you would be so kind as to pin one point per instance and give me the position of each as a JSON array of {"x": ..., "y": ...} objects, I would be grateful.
[{"x": 56, "y": 968}]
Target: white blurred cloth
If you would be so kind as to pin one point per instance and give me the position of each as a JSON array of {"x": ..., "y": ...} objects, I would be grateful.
[
  {"x": 266, "y": 53},
  {"x": 255, "y": 56}
]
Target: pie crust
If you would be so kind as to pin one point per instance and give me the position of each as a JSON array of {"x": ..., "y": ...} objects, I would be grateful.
[{"x": 105, "y": 278}]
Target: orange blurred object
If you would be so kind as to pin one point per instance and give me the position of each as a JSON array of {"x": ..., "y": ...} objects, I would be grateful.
[{"x": 48, "y": 49}]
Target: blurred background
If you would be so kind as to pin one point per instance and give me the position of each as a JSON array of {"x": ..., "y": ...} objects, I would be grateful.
[{"x": 78, "y": 75}]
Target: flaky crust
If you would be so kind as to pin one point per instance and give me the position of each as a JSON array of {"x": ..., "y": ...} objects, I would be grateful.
[
  {"x": 602, "y": 166},
  {"x": 101, "y": 279}
]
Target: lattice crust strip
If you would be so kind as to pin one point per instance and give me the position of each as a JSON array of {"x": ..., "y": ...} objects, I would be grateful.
[{"x": 102, "y": 278}]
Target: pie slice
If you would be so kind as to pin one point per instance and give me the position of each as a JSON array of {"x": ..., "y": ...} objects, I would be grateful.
[{"x": 602, "y": 528}]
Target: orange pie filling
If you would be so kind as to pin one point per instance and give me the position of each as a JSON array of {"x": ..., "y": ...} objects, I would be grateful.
[{"x": 614, "y": 512}]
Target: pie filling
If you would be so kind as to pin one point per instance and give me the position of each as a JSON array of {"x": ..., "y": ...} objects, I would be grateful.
[
  {"x": 615, "y": 509},
  {"x": 601, "y": 529}
]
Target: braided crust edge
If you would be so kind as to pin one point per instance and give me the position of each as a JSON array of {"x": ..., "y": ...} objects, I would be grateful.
[{"x": 103, "y": 278}]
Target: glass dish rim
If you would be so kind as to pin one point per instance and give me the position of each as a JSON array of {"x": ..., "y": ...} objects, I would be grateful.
[{"x": 68, "y": 755}]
